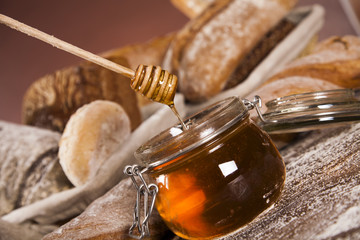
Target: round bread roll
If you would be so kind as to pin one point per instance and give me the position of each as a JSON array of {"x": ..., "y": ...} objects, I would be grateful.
[{"x": 91, "y": 135}]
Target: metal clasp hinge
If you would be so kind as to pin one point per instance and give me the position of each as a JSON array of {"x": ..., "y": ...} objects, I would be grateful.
[
  {"x": 145, "y": 192},
  {"x": 256, "y": 103}
]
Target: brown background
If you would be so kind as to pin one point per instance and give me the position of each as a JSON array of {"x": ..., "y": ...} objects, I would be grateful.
[{"x": 96, "y": 26}]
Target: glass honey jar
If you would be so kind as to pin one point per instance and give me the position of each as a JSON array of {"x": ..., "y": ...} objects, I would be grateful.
[{"x": 217, "y": 175}]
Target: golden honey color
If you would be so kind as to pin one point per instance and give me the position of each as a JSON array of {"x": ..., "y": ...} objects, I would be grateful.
[{"x": 220, "y": 186}]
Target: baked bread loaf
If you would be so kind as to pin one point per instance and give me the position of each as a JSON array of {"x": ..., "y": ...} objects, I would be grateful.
[
  {"x": 90, "y": 137},
  {"x": 332, "y": 64},
  {"x": 29, "y": 166},
  {"x": 50, "y": 101},
  {"x": 336, "y": 60},
  {"x": 207, "y": 51}
]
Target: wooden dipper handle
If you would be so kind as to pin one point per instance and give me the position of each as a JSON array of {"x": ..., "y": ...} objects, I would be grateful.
[{"x": 152, "y": 82}]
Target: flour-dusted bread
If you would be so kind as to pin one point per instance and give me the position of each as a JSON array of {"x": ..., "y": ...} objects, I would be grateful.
[
  {"x": 207, "y": 51},
  {"x": 336, "y": 60},
  {"x": 334, "y": 63},
  {"x": 29, "y": 166},
  {"x": 90, "y": 137}
]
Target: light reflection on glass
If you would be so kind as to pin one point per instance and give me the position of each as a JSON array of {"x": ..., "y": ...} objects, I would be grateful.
[
  {"x": 324, "y": 119},
  {"x": 161, "y": 179},
  {"x": 206, "y": 132},
  {"x": 174, "y": 131},
  {"x": 228, "y": 168},
  {"x": 325, "y": 106},
  {"x": 215, "y": 148}
]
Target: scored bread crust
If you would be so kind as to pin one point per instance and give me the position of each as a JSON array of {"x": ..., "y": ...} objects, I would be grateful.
[
  {"x": 336, "y": 60},
  {"x": 205, "y": 53}
]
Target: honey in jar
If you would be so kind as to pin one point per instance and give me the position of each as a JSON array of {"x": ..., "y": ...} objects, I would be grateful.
[{"x": 216, "y": 176}]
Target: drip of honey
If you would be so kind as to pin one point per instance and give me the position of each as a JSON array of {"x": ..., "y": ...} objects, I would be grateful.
[
  {"x": 158, "y": 85},
  {"x": 173, "y": 109}
]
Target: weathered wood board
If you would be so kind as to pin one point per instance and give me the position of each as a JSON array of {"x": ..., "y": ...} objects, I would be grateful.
[
  {"x": 321, "y": 198},
  {"x": 322, "y": 191}
]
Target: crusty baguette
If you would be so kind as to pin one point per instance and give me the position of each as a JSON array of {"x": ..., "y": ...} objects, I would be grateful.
[
  {"x": 336, "y": 60},
  {"x": 207, "y": 50},
  {"x": 332, "y": 64}
]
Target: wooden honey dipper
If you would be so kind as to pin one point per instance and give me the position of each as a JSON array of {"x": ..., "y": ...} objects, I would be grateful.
[{"x": 150, "y": 81}]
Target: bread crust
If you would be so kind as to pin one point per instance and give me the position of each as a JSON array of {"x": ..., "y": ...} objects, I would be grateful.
[
  {"x": 91, "y": 135},
  {"x": 336, "y": 60},
  {"x": 51, "y": 100},
  {"x": 207, "y": 50}
]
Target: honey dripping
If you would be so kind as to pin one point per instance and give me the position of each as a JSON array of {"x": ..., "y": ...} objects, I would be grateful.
[
  {"x": 173, "y": 109},
  {"x": 158, "y": 85}
]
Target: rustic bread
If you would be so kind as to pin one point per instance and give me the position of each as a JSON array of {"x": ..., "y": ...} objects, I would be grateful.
[
  {"x": 336, "y": 60},
  {"x": 50, "y": 101},
  {"x": 333, "y": 63},
  {"x": 29, "y": 166},
  {"x": 205, "y": 53},
  {"x": 91, "y": 136}
]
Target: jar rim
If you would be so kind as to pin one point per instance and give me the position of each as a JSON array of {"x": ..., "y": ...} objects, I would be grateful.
[
  {"x": 312, "y": 110},
  {"x": 204, "y": 126}
]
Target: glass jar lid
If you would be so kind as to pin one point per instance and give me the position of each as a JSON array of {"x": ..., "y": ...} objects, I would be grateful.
[
  {"x": 204, "y": 126},
  {"x": 309, "y": 111}
]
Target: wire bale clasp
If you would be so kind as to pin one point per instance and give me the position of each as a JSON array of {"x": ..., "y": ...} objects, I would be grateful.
[{"x": 145, "y": 192}]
